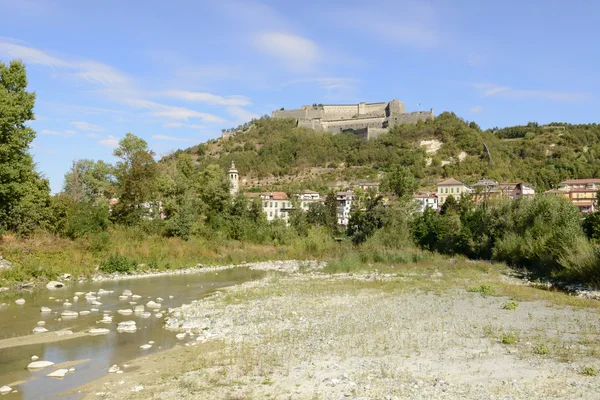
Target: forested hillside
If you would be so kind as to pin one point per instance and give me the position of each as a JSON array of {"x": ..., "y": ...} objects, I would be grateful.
[{"x": 541, "y": 155}]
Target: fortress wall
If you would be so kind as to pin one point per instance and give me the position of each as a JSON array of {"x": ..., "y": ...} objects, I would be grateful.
[
  {"x": 353, "y": 123},
  {"x": 310, "y": 124},
  {"x": 289, "y": 114},
  {"x": 395, "y": 107},
  {"x": 341, "y": 111},
  {"x": 375, "y": 108},
  {"x": 412, "y": 117},
  {"x": 374, "y": 133}
]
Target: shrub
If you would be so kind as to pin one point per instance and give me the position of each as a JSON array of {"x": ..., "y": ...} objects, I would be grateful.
[
  {"x": 589, "y": 371},
  {"x": 485, "y": 290},
  {"x": 510, "y": 305},
  {"x": 541, "y": 349},
  {"x": 118, "y": 263},
  {"x": 509, "y": 337}
]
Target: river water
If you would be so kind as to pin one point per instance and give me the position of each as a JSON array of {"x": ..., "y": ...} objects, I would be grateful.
[{"x": 94, "y": 355}]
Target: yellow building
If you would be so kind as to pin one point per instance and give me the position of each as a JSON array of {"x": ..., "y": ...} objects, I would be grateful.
[{"x": 450, "y": 187}]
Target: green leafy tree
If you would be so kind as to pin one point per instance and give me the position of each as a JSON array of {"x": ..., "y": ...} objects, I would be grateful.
[
  {"x": 24, "y": 195},
  {"x": 136, "y": 175},
  {"x": 401, "y": 182},
  {"x": 88, "y": 180},
  {"x": 364, "y": 223}
]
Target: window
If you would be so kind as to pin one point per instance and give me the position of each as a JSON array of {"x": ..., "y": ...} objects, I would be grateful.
[
  {"x": 275, "y": 204},
  {"x": 457, "y": 190},
  {"x": 271, "y": 204},
  {"x": 270, "y": 213},
  {"x": 446, "y": 190},
  {"x": 441, "y": 190},
  {"x": 451, "y": 190},
  {"x": 266, "y": 204}
]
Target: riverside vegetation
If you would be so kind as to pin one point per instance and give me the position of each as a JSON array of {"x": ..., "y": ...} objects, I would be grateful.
[{"x": 76, "y": 232}]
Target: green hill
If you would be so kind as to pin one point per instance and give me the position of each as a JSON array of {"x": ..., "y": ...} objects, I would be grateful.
[{"x": 273, "y": 153}]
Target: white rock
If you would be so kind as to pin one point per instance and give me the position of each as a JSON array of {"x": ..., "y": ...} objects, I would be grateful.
[
  {"x": 158, "y": 315},
  {"x": 67, "y": 304},
  {"x": 65, "y": 332},
  {"x": 145, "y": 314},
  {"x": 123, "y": 297},
  {"x": 126, "y": 323},
  {"x": 99, "y": 331},
  {"x": 40, "y": 329},
  {"x": 180, "y": 336},
  {"x": 145, "y": 346},
  {"x": 71, "y": 369},
  {"x": 84, "y": 312},
  {"x": 106, "y": 320},
  {"x": 79, "y": 293},
  {"x": 39, "y": 364},
  {"x": 152, "y": 304},
  {"x": 119, "y": 372},
  {"x": 126, "y": 292},
  {"x": 159, "y": 299},
  {"x": 137, "y": 388},
  {"x": 103, "y": 292},
  {"x": 126, "y": 326},
  {"x": 20, "y": 301},
  {"x": 7, "y": 389},
  {"x": 138, "y": 309},
  {"x": 132, "y": 303},
  {"x": 96, "y": 303},
  {"x": 34, "y": 358},
  {"x": 55, "y": 285},
  {"x": 45, "y": 310},
  {"x": 171, "y": 297},
  {"x": 41, "y": 323},
  {"x": 90, "y": 297},
  {"x": 151, "y": 342},
  {"x": 113, "y": 369},
  {"x": 136, "y": 297},
  {"x": 59, "y": 373},
  {"x": 94, "y": 309},
  {"x": 127, "y": 311},
  {"x": 75, "y": 298},
  {"x": 69, "y": 314}
]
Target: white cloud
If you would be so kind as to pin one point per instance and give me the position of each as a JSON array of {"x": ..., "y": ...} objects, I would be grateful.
[
  {"x": 476, "y": 109},
  {"x": 172, "y": 112},
  {"x": 241, "y": 114},
  {"x": 57, "y": 133},
  {"x": 86, "y": 126},
  {"x": 171, "y": 138},
  {"x": 490, "y": 89},
  {"x": 110, "y": 141},
  {"x": 209, "y": 98},
  {"x": 407, "y": 23},
  {"x": 295, "y": 52},
  {"x": 91, "y": 71},
  {"x": 181, "y": 125}
]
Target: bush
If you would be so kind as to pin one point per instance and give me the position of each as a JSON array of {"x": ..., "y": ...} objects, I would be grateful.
[{"x": 118, "y": 263}]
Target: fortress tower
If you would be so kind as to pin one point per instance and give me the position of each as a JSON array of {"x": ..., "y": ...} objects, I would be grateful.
[{"x": 233, "y": 176}]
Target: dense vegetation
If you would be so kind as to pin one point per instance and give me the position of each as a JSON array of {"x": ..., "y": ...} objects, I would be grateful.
[{"x": 178, "y": 211}]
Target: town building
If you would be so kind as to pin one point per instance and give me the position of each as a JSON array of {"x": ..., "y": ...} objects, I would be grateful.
[
  {"x": 276, "y": 205},
  {"x": 426, "y": 200},
  {"x": 344, "y": 201},
  {"x": 450, "y": 187},
  {"x": 581, "y": 192},
  {"x": 307, "y": 198}
]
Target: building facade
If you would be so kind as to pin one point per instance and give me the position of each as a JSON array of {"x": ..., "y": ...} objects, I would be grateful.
[
  {"x": 344, "y": 202},
  {"x": 426, "y": 200},
  {"x": 450, "y": 187},
  {"x": 581, "y": 192}
]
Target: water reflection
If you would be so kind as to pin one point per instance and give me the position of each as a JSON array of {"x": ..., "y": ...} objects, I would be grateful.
[{"x": 102, "y": 351}]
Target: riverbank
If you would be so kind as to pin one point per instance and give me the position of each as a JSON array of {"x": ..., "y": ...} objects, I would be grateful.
[{"x": 416, "y": 330}]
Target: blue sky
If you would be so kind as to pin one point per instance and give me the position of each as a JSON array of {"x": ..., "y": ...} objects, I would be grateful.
[{"x": 177, "y": 72}]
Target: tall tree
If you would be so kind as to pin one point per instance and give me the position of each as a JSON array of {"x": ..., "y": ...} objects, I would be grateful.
[
  {"x": 401, "y": 182},
  {"x": 24, "y": 195},
  {"x": 88, "y": 180},
  {"x": 135, "y": 175}
]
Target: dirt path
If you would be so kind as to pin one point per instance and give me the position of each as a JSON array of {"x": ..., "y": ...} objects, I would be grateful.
[{"x": 364, "y": 337}]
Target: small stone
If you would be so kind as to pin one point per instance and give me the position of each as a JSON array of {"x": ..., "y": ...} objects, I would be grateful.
[
  {"x": 67, "y": 304},
  {"x": 84, "y": 312},
  {"x": 69, "y": 314},
  {"x": 113, "y": 369},
  {"x": 96, "y": 303},
  {"x": 158, "y": 315},
  {"x": 127, "y": 311},
  {"x": 145, "y": 346},
  {"x": 136, "y": 297},
  {"x": 39, "y": 364},
  {"x": 180, "y": 336},
  {"x": 40, "y": 329},
  {"x": 123, "y": 297},
  {"x": 45, "y": 310},
  {"x": 71, "y": 370},
  {"x": 151, "y": 342},
  {"x": 152, "y": 304},
  {"x": 171, "y": 297},
  {"x": 145, "y": 314},
  {"x": 7, "y": 389},
  {"x": 41, "y": 323},
  {"x": 137, "y": 388},
  {"x": 59, "y": 373},
  {"x": 20, "y": 301},
  {"x": 75, "y": 298},
  {"x": 159, "y": 299},
  {"x": 54, "y": 285},
  {"x": 126, "y": 292},
  {"x": 98, "y": 331},
  {"x": 34, "y": 358}
]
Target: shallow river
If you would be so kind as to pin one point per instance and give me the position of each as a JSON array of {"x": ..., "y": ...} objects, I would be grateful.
[{"x": 95, "y": 353}]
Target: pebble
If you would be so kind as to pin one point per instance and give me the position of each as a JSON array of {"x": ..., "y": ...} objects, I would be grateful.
[
  {"x": 34, "y": 358},
  {"x": 7, "y": 389},
  {"x": 145, "y": 346},
  {"x": 69, "y": 314},
  {"x": 180, "y": 336},
  {"x": 137, "y": 388},
  {"x": 99, "y": 331},
  {"x": 39, "y": 364},
  {"x": 152, "y": 304},
  {"x": 40, "y": 329},
  {"x": 127, "y": 292},
  {"x": 171, "y": 297},
  {"x": 145, "y": 314},
  {"x": 59, "y": 373},
  {"x": 136, "y": 297},
  {"x": 67, "y": 304},
  {"x": 41, "y": 323},
  {"x": 127, "y": 311},
  {"x": 84, "y": 312},
  {"x": 158, "y": 315},
  {"x": 20, "y": 301},
  {"x": 45, "y": 310},
  {"x": 123, "y": 297},
  {"x": 113, "y": 369},
  {"x": 159, "y": 299}
]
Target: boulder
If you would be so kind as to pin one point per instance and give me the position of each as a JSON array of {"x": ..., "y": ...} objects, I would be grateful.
[
  {"x": 136, "y": 297},
  {"x": 126, "y": 292},
  {"x": 180, "y": 336},
  {"x": 67, "y": 304},
  {"x": 39, "y": 364},
  {"x": 145, "y": 346},
  {"x": 84, "y": 312},
  {"x": 55, "y": 285},
  {"x": 40, "y": 329},
  {"x": 59, "y": 373},
  {"x": 152, "y": 304},
  {"x": 138, "y": 309},
  {"x": 5, "y": 390},
  {"x": 20, "y": 301},
  {"x": 41, "y": 323},
  {"x": 127, "y": 311},
  {"x": 45, "y": 310},
  {"x": 69, "y": 314},
  {"x": 99, "y": 331}
]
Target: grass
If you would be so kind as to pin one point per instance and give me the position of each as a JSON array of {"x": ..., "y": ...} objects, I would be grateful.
[
  {"x": 511, "y": 337},
  {"x": 485, "y": 290},
  {"x": 589, "y": 371},
  {"x": 510, "y": 305}
]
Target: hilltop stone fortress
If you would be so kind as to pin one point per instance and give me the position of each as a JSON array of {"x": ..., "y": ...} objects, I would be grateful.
[{"x": 366, "y": 119}]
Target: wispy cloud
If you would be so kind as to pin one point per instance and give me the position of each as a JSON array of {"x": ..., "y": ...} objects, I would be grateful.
[
  {"x": 294, "y": 52},
  {"x": 172, "y": 112},
  {"x": 491, "y": 89},
  {"x": 241, "y": 115},
  {"x": 86, "y": 126},
  {"x": 209, "y": 98},
  {"x": 110, "y": 141},
  {"x": 91, "y": 71},
  {"x": 65, "y": 133},
  {"x": 172, "y": 138},
  {"x": 173, "y": 124},
  {"x": 406, "y": 23},
  {"x": 476, "y": 109}
]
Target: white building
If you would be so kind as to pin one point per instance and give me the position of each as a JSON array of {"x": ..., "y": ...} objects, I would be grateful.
[
  {"x": 344, "y": 200},
  {"x": 276, "y": 205},
  {"x": 425, "y": 200},
  {"x": 451, "y": 187},
  {"x": 233, "y": 176},
  {"x": 308, "y": 197}
]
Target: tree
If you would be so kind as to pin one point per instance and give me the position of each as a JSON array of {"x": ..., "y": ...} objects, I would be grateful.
[
  {"x": 364, "y": 223},
  {"x": 401, "y": 182},
  {"x": 24, "y": 195},
  {"x": 136, "y": 175},
  {"x": 88, "y": 180}
]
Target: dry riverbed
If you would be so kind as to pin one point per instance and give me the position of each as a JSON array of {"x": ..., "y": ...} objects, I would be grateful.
[{"x": 403, "y": 334}]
